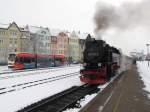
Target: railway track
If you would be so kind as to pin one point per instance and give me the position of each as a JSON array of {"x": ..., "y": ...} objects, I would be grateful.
[
  {"x": 61, "y": 101},
  {"x": 17, "y": 87},
  {"x": 23, "y": 71}
]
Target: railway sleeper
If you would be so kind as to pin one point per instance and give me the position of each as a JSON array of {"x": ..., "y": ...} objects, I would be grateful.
[
  {"x": 65, "y": 101},
  {"x": 79, "y": 94},
  {"x": 51, "y": 108},
  {"x": 73, "y": 96},
  {"x": 61, "y": 104}
]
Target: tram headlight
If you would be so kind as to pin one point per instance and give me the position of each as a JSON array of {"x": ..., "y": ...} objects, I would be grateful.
[{"x": 99, "y": 64}]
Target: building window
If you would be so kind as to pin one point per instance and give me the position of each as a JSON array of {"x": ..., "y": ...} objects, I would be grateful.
[
  {"x": 11, "y": 40},
  {"x": 1, "y": 41},
  {"x": 13, "y": 33},
  {"x": 2, "y": 32},
  {"x": 15, "y": 41},
  {"x": 15, "y": 50}
]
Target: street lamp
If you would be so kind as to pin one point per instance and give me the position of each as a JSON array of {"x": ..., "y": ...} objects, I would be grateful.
[
  {"x": 148, "y": 53},
  {"x": 147, "y": 48}
]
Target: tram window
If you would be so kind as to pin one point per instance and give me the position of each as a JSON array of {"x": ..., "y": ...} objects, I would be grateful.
[
  {"x": 21, "y": 59},
  {"x": 47, "y": 60},
  {"x": 40, "y": 60},
  {"x": 17, "y": 59},
  {"x": 11, "y": 57},
  {"x": 27, "y": 60},
  {"x": 43, "y": 60},
  {"x": 58, "y": 59},
  {"x": 32, "y": 59},
  {"x": 50, "y": 59}
]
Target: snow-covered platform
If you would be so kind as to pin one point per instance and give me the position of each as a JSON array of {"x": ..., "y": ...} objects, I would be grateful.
[{"x": 128, "y": 94}]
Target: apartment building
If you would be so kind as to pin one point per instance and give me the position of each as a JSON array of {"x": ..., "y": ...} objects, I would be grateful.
[
  {"x": 54, "y": 35},
  {"x": 62, "y": 44},
  {"x": 73, "y": 49},
  {"x": 12, "y": 39},
  {"x": 40, "y": 38}
]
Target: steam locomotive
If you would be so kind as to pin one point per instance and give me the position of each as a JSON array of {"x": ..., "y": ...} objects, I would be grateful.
[{"x": 100, "y": 61}]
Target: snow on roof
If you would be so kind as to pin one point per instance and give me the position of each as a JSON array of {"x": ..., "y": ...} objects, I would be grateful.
[
  {"x": 4, "y": 25},
  {"x": 33, "y": 29}
]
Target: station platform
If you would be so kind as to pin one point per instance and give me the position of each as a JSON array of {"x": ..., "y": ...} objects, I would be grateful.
[{"x": 125, "y": 94}]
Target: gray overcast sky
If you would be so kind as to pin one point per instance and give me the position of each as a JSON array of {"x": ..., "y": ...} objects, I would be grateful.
[
  {"x": 63, "y": 14},
  {"x": 69, "y": 15}
]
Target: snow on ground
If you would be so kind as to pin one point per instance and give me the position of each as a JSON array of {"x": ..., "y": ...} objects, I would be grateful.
[
  {"x": 13, "y": 101},
  {"x": 20, "y": 98},
  {"x": 35, "y": 75},
  {"x": 144, "y": 71}
]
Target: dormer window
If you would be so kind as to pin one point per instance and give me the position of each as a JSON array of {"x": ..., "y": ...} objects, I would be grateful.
[{"x": 43, "y": 32}]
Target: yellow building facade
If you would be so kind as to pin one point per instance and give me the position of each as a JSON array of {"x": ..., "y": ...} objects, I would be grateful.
[
  {"x": 73, "y": 49},
  {"x": 12, "y": 39}
]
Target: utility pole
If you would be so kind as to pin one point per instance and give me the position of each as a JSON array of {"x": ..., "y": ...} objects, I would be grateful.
[
  {"x": 148, "y": 52},
  {"x": 34, "y": 42}
]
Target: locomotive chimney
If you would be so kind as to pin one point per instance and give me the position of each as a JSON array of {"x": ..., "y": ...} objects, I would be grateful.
[{"x": 88, "y": 38}]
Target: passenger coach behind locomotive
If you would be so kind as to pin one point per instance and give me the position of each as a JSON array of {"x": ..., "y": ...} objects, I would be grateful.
[{"x": 100, "y": 61}]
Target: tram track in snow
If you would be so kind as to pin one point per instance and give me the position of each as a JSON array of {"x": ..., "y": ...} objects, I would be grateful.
[
  {"x": 38, "y": 71},
  {"x": 21, "y": 86}
]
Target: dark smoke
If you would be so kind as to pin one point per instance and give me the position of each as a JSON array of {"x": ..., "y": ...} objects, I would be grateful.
[
  {"x": 104, "y": 17},
  {"x": 128, "y": 15},
  {"x": 126, "y": 26}
]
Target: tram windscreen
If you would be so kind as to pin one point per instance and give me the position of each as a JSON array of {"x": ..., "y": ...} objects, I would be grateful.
[{"x": 11, "y": 57}]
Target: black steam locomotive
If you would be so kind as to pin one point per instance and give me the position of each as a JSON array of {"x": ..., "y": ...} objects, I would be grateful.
[{"x": 100, "y": 61}]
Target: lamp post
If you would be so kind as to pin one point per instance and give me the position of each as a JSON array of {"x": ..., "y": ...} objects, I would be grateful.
[{"x": 148, "y": 52}]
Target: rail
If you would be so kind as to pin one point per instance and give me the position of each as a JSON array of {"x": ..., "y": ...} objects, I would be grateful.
[
  {"x": 17, "y": 87},
  {"x": 62, "y": 101}
]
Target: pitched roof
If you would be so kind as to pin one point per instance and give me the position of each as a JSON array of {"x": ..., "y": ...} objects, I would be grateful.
[{"x": 33, "y": 29}]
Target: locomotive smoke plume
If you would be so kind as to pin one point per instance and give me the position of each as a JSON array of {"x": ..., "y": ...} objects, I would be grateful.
[
  {"x": 125, "y": 16},
  {"x": 104, "y": 16},
  {"x": 129, "y": 21}
]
